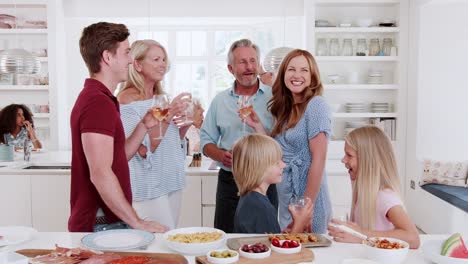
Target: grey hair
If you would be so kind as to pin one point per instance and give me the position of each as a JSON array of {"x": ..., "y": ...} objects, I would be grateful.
[{"x": 242, "y": 43}]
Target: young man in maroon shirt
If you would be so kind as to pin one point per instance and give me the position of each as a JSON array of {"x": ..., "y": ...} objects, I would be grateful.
[{"x": 101, "y": 197}]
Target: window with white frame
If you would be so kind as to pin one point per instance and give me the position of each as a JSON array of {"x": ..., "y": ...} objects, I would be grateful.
[{"x": 198, "y": 53}]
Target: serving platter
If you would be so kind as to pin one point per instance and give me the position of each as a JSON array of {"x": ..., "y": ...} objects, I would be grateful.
[
  {"x": 306, "y": 255},
  {"x": 236, "y": 243},
  {"x": 162, "y": 257}
]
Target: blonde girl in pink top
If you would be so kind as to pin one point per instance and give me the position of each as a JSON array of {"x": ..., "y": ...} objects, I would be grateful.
[{"x": 377, "y": 209}]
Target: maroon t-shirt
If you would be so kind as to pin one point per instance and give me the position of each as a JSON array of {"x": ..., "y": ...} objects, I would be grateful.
[{"x": 96, "y": 111}]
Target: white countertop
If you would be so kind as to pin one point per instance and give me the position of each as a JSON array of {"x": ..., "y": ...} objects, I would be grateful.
[
  {"x": 335, "y": 254},
  {"x": 63, "y": 158}
]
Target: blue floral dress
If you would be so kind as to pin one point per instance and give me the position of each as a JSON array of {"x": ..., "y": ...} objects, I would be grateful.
[{"x": 295, "y": 145}]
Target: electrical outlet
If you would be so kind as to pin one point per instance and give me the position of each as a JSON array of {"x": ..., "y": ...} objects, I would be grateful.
[{"x": 412, "y": 185}]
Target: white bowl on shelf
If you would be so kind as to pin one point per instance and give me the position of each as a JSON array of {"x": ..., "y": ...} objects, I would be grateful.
[{"x": 364, "y": 22}]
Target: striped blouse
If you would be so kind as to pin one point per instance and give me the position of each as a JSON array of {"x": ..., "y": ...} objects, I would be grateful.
[{"x": 162, "y": 171}]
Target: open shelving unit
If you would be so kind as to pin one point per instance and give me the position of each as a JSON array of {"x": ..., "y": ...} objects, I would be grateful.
[{"x": 30, "y": 91}]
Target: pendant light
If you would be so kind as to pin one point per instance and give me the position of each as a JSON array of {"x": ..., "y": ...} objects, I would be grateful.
[{"x": 18, "y": 61}]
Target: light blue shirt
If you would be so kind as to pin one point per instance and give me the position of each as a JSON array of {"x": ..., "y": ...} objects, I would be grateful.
[{"x": 223, "y": 126}]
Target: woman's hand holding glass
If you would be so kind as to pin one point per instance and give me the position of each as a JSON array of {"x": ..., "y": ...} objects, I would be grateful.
[
  {"x": 179, "y": 109},
  {"x": 160, "y": 110},
  {"x": 253, "y": 121},
  {"x": 301, "y": 210}
]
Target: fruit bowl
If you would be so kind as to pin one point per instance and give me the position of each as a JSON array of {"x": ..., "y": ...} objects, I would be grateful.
[
  {"x": 286, "y": 246},
  {"x": 384, "y": 255},
  {"x": 253, "y": 255},
  {"x": 432, "y": 249}
]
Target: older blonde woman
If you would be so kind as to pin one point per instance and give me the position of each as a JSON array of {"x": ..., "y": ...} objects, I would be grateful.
[{"x": 157, "y": 171}]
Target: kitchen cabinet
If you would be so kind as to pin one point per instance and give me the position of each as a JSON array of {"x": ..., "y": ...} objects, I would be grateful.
[
  {"x": 30, "y": 32},
  {"x": 50, "y": 202},
  {"x": 15, "y": 197},
  {"x": 191, "y": 208}
]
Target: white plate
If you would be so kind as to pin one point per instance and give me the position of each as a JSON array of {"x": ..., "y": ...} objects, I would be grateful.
[
  {"x": 194, "y": 248},
  {"x": 13, "y": 235},
  {"x": 118, "y": 239},
  {"x": 431, "y": 251}
]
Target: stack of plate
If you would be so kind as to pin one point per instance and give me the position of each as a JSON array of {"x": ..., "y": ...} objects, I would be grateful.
[
  {"x": 380, "y": 107},
  {"x": 356, "y": 108},
  {"x": 374, "y": 77},
  {"x": 6, "y": 152},
  {"x": 349, "y": 126}
]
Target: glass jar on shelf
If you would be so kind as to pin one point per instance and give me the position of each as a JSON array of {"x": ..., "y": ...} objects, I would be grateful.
[
  {"x": 334, "y": 47},
  {"x": 347, "y": 47},
  {"x": 361, "y": 48},
  {"x": 374, "y": 47},
  {"x": 322, "y": 48},
  {"x": 387, "y": 46}
]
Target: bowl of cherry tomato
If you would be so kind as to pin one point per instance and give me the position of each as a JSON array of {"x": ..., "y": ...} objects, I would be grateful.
[
  {"x": 255, "y": 251},
  {"x": 285, "y": 246}
]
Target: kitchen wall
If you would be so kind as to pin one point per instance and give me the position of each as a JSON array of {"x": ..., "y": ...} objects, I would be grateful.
[{"x": 437, "y": 123}]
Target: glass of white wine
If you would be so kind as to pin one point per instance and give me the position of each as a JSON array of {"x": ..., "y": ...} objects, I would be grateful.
[
  {"x": 246, "y": 107},
  {"x": 160, "y": 109}
]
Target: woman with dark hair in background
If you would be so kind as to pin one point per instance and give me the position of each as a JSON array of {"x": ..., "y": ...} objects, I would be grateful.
[{"x": 17, "y": 125}]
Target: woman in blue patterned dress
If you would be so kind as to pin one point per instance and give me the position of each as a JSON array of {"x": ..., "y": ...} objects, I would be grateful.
[
  {"x": 303, "y": 129},
  {"x": 17, "y": 125},
  {"x": 157, "y": 170}
]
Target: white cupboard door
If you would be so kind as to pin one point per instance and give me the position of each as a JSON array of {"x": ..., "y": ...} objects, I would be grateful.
[
  {"x": 339, "y": 188},
  {"x": 50, "y": 202},
  {"x": 209, "y": 184},
  {"x": 15, "y": 200},
  {"x": 208, "y": 215},
  {"x": 190, "y": 211}
]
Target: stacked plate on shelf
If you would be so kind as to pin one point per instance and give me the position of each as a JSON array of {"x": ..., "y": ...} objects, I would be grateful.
[
  {"x": 356, "y": 108},
  {"x": 380, "y": 107},
  {"x": 350, "y": 125}
]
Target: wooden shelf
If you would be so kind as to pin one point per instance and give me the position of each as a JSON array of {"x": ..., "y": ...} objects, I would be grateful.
[
  {"x": 363, "y": 115},
  {"x": 357, "y": 29},
  {"x": 24, "y": 87},
  {"x": 356, "y": 58},
  {"x": 24, "y": 31},
  {"x": 329, "y": 86}
]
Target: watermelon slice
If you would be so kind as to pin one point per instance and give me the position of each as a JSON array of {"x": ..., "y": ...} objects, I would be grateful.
[{"x": 454, "y": 247}]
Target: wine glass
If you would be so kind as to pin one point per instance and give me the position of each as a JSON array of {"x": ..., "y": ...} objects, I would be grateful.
[
  {"x": 246, "y": 107},
  {"x": 160, "y": 109}
]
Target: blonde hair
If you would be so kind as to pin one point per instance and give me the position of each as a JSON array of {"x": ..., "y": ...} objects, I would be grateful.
[
  {"x": 251, "y": 156},
  {"x": 377, "y": 170},
  {"x": 282, "y": 106},
  {"x": 138, "y": 52}
]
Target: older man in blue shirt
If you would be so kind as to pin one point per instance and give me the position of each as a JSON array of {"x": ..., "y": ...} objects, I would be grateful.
[{"x": 223, "y": 126}]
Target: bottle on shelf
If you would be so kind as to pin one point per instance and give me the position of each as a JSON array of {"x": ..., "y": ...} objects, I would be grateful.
[
  {"x": 322, "y": 48},
  {"x": 374, "y": 47},
  {"x": 361, "y": 48},
  {"x": 334, "y": 49},
  {"x": 387, "y": 46},
  {"x": 347, "y": 47}
]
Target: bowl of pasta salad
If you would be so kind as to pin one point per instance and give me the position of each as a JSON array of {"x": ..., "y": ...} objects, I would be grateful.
[{"x": 195, "y": 240}]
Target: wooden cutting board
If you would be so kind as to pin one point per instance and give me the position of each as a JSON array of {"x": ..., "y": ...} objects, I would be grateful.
[
  {"x": 237, "y": 242},
  {"x": 306, "y": 255},
  {"x": 173, "y": 258}
]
